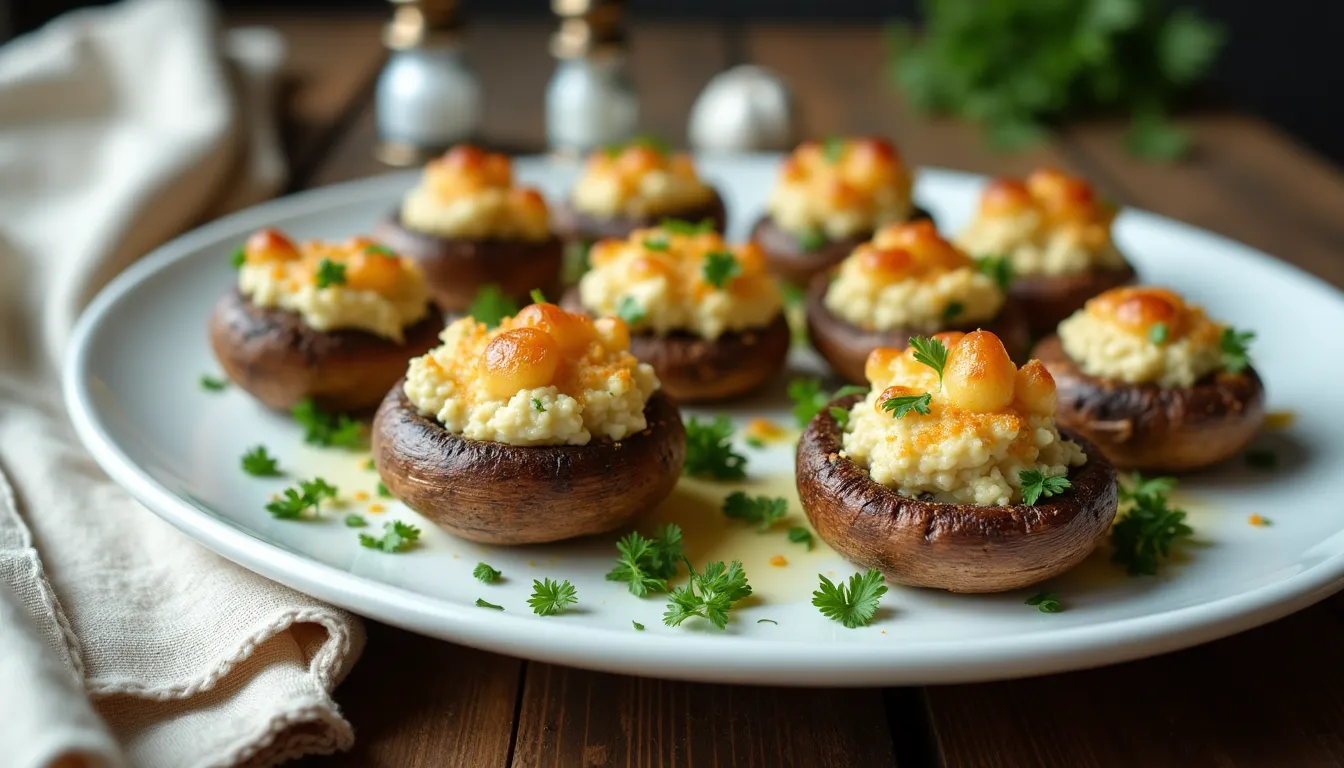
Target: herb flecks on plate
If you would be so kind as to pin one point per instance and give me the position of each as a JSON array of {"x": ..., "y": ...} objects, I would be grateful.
[
  {"x": 761, "y": 511},
  {"x": 646, "y": 564},
  {"x": 853, "y": 605},
  {"x": 397, "y": 537},
  {"x": 327, "y": 429},
  {"x": 1148, "y": 527},
  {"x": 307, "y": 497},
  {"x": 550, "y": 598},
  {"x": 709, "y": 594},
  {"x": 709, "y": 450}
]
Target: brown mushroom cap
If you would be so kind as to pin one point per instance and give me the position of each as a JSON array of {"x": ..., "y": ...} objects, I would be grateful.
[
  {"x": 495, "y": 493},
  {"x": 279, "y": 360},
  {"x": 573, "y": 224},
  {"x": 786, "y": 258},
  {"x": 696, "y": 370},
  {"x": 457, "y": 268},
  {"x": 846, "y": 346},
  {"x": 1047, "y": 299},
  {"x": 957, "y": 547},
  {"x": 1147, "y": 427}
]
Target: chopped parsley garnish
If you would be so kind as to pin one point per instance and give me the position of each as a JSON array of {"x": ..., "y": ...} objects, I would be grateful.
[
  {"x": 485, "y": 574},
  {"x": 647, "y": 564},
  {"x": 719, "y": 267},
  {"x": 329, "y": 273},
  {"x": 1000, "y": 268},
  {"x": 855, "y": 605},
  {"x": 259, "y": 463},
  {"x": 370, "y": 465},
  {"x": 900, "y": 405},
  {"x": 833, "y": 149},
  {"x": 238, "y": 258},
  {"x": 709, "y": 594},
  {"x": 295, "y": 501},
  {"x": 537, "y": 406},
  {"x": 648, "y": 141},
  {"x": 482, "y": 604},
  {"x": 377, "y": 249},
  {"x": 809, "y": 398},
  {"x": 1235, "y": 346},
  {"x": 682, "y": 227},
  {"x": 811, "y": 239},
  {"x": 397, "y": 537},
  {"x": 637, "y": 625},
  {"x": 800, "y": 535},
  {"x": 767, "y": 621},
  {"x": 537, "y": 296},
  {"x": 325, "y": 429},
  {"x": 840, "y": 415},
  {"x": 382, "y": 490},
  {"x": 657, "y": 243},
  {"x": 761, "y": 511},
  {"x": 630, "y": 310},
  {"x": 491, "y": 306},
  {"x": 953, "y": 309},
  {"x": 355, "y": 521},
  {"x": 1045, "y": 602},
  {"x": 709, "y": 450},
  {"x": 1157, "y": 333},
  {"x": 212, "y": 384},
  {"x": 1148, "y": 527},
  {"x": 793, "y": 295},
  {"x": 1261, "y": 458},
  {"x": 930, "y": 352},
  {"x": 549, "y": 597},
  {"x": 1036, "y": 484},
  {"x": 754, "y": 442}
]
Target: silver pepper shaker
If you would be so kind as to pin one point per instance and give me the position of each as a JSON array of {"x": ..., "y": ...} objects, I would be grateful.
[
  {"x": 590, "y": 100},
  {"x": 744, "y": 109},
  {"x": 426, "y": 98}
]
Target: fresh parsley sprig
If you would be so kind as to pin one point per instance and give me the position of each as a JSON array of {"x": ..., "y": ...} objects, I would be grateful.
[
  {"x": 931, "y": 352},
  {"x": 550, "y": 598},
  {"x": 485, "y": 574},
  {"x": 901, "y": 405},
  {"x": 656, "y": 243},
  {"x": 646, "y": 564},
  {"x": 397, "y": 537},
  {"x": 294, "y": 502},
  {"x": 325, "y": 429},
  {"x": 719, "y": 267},
  {"x": 761, "y": 511},
  {"x": 1148, "y": 527},
  {"x": 809, "y": 398},
  {"x": 490, "y": 306},
  {"x": 355, "y": 521},
  {"x": 709, "y": 594},
  {"x": 213, "y": 383},
  {"x": 1036, "y": 484},
  {"x": 329, "y": 273},
  {"x": 481, "y": 603},
  {"x": 855, "y": 605},
  {"x": 709, "y": 450},
  {"x": 1045, "y": 602},
  {"x": 259, "y": 463},
  {"x": 800, "y": 535},
  {"x": 1235, "y": 346}
]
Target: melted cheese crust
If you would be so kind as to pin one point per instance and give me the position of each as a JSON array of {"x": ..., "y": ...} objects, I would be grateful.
[
  {"x": 1116, "y": 335},
  {"x": 638, "y": 180},
  {"x": 382, "y": 293},
  {"x": 543, "y": 377},
  {"x": 469, "y": 193},
  {"x": 908, "y": 276},
  {"x": 841, "y": 188},
  {"x": 657, "y": 278},
  {"x": 989, "y": 422},
  {"x": 1049, "y": 224}
]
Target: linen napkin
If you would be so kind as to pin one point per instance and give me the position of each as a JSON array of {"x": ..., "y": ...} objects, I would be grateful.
[{"x": 122, "y": 642}]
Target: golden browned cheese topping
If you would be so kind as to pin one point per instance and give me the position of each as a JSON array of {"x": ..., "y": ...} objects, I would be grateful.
[
  {"x": 470, "y": 193},
  {"x": 639, "y": 180},
  {"x": 841, "y": 188}
]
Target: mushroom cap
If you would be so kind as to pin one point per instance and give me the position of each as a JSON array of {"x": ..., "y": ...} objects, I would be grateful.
[
  {"x": 846, "y": 346},
  {"x": 495, "y": 493},
  {"x": 1148, "y": 427},
  {"x": 457, "y": 268},
  {"x": 573, "y": 224},
  {"x": 1047, "y": 299},
  {"x": 280, "y": 360},
  {"x": 786, "y": 258},
  {"x": 957, "y": 547}
]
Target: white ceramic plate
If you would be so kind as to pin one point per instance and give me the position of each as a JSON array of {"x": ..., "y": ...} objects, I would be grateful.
[{"x": 132, "y": 390}]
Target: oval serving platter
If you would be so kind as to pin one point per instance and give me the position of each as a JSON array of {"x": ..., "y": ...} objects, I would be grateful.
[{"x": 132, "y": 390}]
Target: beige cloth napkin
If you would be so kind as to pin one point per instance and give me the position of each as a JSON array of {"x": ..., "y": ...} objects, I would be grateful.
[{"x": 122, "y": 642}]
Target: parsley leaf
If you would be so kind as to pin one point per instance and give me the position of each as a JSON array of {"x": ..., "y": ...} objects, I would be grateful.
[
  {"x": 1000, "y": 268},
  {"x": 397, "y": 537},
  {"x": 760, "y": 510},
  {"x": 833, "y": 149},
  {"x": 656, "y": 243},
  {"x": 811, "y": 239},
  {"x": 800, "y": 535},
  {"x": 709, "y": 450},
  {"x": 537, "y": 406},
  {"x": 647, "y": 564},
  {"x": 258, "y": 463},
  {"x": 637, "y": 625},
  {"x": 537, "y": 296},
  {"x": 840, "y": 415},
  {"x": 549, "y": 598},
  {"x": 1045, "y": 602},
  {"x": 491, "y": 306},
  {"x": 377, "y": 249},
  {"x": 321, "y": 428},
  {"x": 485, "y": 574},
  {"x": 329, "y": 273},
  {"x": 1235, "y": 347},
  {"x": 809, "y": 398},
  {"x": 953, "y": 309},
  {"x": 212, "y": 384},
  {"x": 930, "y": 352},
  {"x": 630, "y": 310},
  {"x": 482, "y": 604},
  {"x": 1157, "y": 333},
  {"x": 903, "y": 404},
  {"x": 293, "y": 502},
  {"x": 854, "y": 606},
  {"x": 719, "y": 267},
  {"x": 709, "y": 594},
  {"x": 370, "y": 464},
  {"x": 382, "y": 490},
  {"x": 1036, "y": 484},
  {"x": 238, "y": 258},
  {"x": 355, "y": 521},
  {"x": 1148, "y": 527},
  {"x": 682, "y": 227}
]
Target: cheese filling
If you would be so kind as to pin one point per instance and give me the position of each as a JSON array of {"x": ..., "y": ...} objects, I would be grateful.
[
  {"x": 841, "y": 188},
  {"x": 638, "y": 180},
  {"x": 469, "y": 193}
]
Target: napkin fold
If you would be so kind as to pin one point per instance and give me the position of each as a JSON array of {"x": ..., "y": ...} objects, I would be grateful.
[{"x": 122, "y": 642}]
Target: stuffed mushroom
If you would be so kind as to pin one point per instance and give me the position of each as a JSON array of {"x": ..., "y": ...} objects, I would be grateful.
[
  {"x": 831, "y": 196},
  {"x": 469, "y": 226},
  {"x": 951, "y": 472},
  {"x": 1055, "y": 233},
  {"x": 907, "y": 281},
  {"x": 330, "y": 322},
  {"x": 542, "y": 429},
  {"x": 1153, "y": 382},
  {"x": 707, "y": 316}
]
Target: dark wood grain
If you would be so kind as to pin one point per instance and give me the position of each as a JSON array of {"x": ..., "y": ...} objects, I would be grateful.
[{"x": 574, "y": 718}]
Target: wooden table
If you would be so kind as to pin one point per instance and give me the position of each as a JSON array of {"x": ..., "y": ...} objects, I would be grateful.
[{"x": 1271, "y": 696}]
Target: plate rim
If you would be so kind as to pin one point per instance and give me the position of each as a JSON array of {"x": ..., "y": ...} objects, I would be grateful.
[{"x": 686, "y": 655}]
